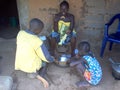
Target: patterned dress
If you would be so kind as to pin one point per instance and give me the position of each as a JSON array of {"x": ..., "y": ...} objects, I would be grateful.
[{"x": 95, "y": 72}]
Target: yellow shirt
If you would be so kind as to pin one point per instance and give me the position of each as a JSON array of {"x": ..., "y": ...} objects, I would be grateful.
[{"x": 29, "y": 54}]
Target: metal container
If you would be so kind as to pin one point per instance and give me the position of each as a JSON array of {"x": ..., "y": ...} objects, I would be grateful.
[
  {"x": 63, "y": 60},
  {"x": 115, "y": 69}
]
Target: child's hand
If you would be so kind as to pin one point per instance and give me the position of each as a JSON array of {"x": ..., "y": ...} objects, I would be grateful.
[
  {"x": 55, "y": 60},
  {"x": 77, "y": 56},
  {"x": 68, "y": 31}
]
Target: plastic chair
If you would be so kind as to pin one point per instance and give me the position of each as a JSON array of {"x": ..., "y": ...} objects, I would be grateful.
[{"x": 113, "y": 37}]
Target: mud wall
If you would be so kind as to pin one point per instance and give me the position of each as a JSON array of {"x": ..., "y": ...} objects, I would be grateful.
[{"x": 90, "y": 15}]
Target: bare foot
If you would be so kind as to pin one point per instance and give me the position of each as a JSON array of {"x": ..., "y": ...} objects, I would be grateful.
[
  {"x": 45, "y": 82},
  {"x": 82, "y": 84}
]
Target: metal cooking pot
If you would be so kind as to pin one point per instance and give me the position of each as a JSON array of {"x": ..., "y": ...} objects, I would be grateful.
[
  {"x": 115, "y": 69},
  {"x": 63, "y": 60}
]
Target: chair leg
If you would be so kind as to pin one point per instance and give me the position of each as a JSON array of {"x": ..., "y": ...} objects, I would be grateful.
[
  {"x": 110, "y": 47},
  {"x": 103, "y": 47}
]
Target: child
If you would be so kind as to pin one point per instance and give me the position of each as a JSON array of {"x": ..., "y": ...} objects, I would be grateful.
[
  {"x": 31, "y": 53},
  {"x": 87, "y": 66}
]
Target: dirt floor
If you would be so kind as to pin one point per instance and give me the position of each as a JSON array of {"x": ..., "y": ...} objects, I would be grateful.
[{"x": 63, "y": 78}]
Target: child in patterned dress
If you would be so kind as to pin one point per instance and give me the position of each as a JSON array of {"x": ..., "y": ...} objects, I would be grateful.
[{"x": 86, "y": 65}]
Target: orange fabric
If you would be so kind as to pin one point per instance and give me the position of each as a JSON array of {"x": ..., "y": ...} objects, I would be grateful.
[{"x": 87, "y": 75}]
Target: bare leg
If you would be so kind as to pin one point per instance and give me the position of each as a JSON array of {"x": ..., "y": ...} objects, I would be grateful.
[
  {"x": 42, "y": 72},
  {"x": 73, "y": 45},
  {"x": 36, "y": 75},
  {"x": 81, "y": 69},
  {"x": 82, "y": 84},
  {"x": 45, "y": 82}
]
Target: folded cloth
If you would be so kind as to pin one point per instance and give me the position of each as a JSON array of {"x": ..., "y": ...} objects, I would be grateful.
[
  {"x": 61, "y": 37},
  {"x": 64, "y": 40}
]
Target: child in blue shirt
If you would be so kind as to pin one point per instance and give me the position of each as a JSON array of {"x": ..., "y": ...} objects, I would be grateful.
[{"x": 86, "y": 65}]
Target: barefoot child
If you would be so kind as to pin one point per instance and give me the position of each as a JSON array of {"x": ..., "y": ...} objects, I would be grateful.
[
  {"x": 87, "y": 66},
  {"x": 31, "y": 52}
]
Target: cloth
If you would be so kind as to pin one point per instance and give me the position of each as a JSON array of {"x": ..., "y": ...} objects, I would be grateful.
[
  {"x": 93, "y": 74},
  {"x": 29, "y": 54},
  {"x": 61, "y": 36}
]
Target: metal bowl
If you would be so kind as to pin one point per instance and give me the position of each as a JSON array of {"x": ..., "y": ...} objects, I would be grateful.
[
  {"x": 115, "y": 69},
  {"x": 63, "y": 61}
]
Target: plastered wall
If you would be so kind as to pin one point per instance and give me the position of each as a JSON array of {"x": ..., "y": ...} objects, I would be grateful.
[
  {"x": 23, "y": 11},
  {"x": 90, "y": 15}
]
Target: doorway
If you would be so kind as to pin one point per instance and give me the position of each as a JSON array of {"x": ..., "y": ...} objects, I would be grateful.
[{"x": 9, "y": 20}]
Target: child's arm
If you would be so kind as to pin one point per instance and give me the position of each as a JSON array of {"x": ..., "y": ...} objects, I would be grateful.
[
  {"x": 46, "y": 53},
  {"x": 43, "y": 54},
  {"x": 74, "y": 63},
  {"x": 82, "y": 61}
]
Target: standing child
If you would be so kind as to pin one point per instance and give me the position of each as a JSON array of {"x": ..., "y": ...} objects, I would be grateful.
[
  {"x": 31, "y": 53},
  {"x": 87, "y": 66}
]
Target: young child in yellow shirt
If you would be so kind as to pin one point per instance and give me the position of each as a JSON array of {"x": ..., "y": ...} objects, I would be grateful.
[{"x": 31, "y": 53}]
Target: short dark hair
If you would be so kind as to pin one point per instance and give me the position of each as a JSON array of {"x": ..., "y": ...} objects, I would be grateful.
[
  {"x": 36, "y": 23},
  {"x": 64, "y": 3},
  {"x": 84, "y": 45}
]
